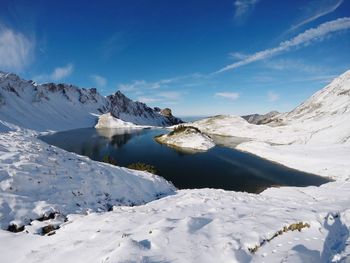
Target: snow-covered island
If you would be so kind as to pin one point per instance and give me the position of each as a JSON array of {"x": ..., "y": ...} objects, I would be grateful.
[
  {"x": 57, "y": 206},
  {"x": 186, "y": 138}
]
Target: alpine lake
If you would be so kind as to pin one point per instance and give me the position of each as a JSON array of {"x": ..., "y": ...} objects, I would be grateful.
[{"x": 221, "y": 167}]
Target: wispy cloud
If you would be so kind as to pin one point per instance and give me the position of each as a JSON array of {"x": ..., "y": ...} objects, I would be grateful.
[
  {"x": 16, "y": 49},
  {"x": 62, "y": 72},
  {"x": 147, "y": 99},
  {"x": 301, "y": 40},
  {"x": 113, "y": 45},
  {"x": 170, "y": 95},
  {"x": 143, "y": 85},
  {"x": 137, "y": 85},
  {"x": 228, "y": 95},
  {"x": 58, "y": 73},
  {"x": 99, "y": 80},
  {"x": 166, "y": 97},
  {"x": 243, "y": 8},
  {"x": 315, "y": 10},
  {"x": 294, "y": 65},
  {"x": 272, "y": 96}
]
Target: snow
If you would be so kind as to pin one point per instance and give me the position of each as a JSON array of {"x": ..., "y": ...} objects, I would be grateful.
[
  {"x": 200, "y": 226},
  {"x": 108, "y": 121},
  {"x": 327, "y": 160},
  {"x": 187, "y": 140},
  {"x": 206, "y": 225},
  {"x": 36, "y": 178},
  {"x": 314, "y": 137}
]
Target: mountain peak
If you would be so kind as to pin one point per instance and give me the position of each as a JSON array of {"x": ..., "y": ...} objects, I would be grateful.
[{"x": 65, "y": 106}]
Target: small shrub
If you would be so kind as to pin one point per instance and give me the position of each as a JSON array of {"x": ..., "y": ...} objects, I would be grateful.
[
  {"x": 182, "y": 128},
  {"x": 292, "y": 227},
  {"x": 143, "y": 167},
  {"x": 109, "y": 159}
]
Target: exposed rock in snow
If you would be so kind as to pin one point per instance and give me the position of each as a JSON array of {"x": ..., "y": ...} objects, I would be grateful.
[
  {"x": 260, "y": 119},
  {"x": 56, "y": 107},
  {"x": 187, "y": 138},
  {"x": 108, "y": 121}
]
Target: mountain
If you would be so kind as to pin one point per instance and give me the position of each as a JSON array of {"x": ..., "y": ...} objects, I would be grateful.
[
  {"x": 324, "y": 118},
  {"x": 260, "y": 119},
  {"x": 53, "y": 106},
  {"x": 326, "y": 114}
]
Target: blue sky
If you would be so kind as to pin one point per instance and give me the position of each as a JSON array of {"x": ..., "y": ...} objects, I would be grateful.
[{"x": 196, "y": 57}]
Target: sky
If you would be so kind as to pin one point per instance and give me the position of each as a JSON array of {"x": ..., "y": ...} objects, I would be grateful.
[{"x": 197, "y": 57}]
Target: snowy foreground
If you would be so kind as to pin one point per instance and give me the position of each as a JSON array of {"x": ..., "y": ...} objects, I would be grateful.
[{"x": 169, "y": 225}]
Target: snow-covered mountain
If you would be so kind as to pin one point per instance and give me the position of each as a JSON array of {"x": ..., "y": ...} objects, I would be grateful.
[
  {"x": 60, "y": 106},
  {"x": 325, "y": 115},
  {"x": 322, "y": 119}
]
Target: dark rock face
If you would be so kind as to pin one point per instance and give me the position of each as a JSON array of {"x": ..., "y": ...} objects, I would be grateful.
[
  {"x": 119, "y": 104},
  {"x": 166, "y": 112},
  {"x": 260, "y": 119}
]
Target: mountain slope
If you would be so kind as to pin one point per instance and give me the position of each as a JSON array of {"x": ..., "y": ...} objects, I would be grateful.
[
  {"x": 60, "y": 106},
  {"x": 322, "y": 119}
]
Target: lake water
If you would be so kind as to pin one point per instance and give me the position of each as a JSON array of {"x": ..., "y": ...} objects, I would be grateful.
[{"x": 220, "y": 167}]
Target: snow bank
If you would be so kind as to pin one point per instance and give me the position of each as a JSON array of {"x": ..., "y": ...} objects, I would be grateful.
[
  {"x": 36, "y": 179},
  {"x": 326, "y": 160},
  {"x": 200, "y": 226},
  {"x": 187, "y": 139},
  {"x": 108, "y": 121}
]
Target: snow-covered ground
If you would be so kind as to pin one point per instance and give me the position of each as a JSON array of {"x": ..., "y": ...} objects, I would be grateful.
[
  {"x": 36, "y": 179},
  {"x": 205, "y": 225},
  {"x": 200, "y": 226},
  {"x": 188, "y": 139}
]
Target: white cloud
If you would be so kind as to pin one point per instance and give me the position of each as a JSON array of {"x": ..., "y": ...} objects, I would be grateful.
[
  {"x": 138, "y": 85},
  {"x": 168, "y": 97},
  {"x": 143, "y": 85},
  {"x": 147, "y": 99},
  {"x": 57, "y": 74},
  {"x": 295, "y": 65},
  {"x": 99, "y": 80},
  {"x": 272, "y": 96},
  {"x": 243, "y": 8},
  {"x": 301, "y": 40},
  {"x": 16, "y": 49},
  {"x": 228, "y": 95},
  {"x": 171, "y": 95},
  {"x": 62, "y": 72},
  {"x": 315, "y": 10},
  {"x": 238, "y": 55}
]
